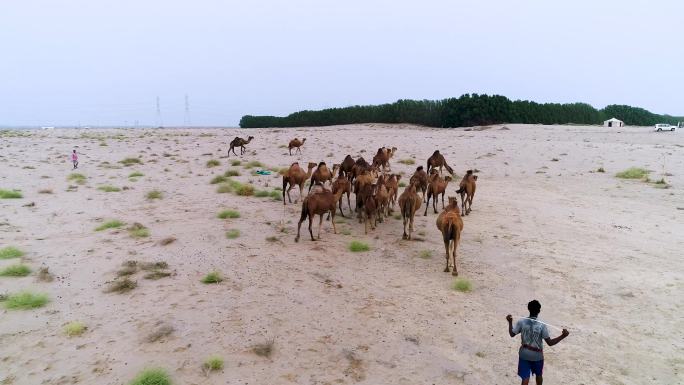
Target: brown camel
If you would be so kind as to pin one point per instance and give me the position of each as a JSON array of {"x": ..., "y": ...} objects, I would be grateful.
[
  {"x": 381, "y": 199},
  {"x": 409, "y": 203},
  {"x": 318, "y": 203},
  {"x": 360, "y": 167},
  {"x": 382, "y": 157},
  {"x": 295, "y": 176},
  {"x": 370, "y": 210},
  {"x": 342, "y": 184},
  {"x": 239, "y": 142},
  {"x": 437, "y": 161},
  {"x": 321, "y": 175},
  {"x": 467, "y": 189},
  {"x": 363, "y": 180},
  {"x": 436, "y": 187},
  {"x": 449, "y": 222},
  {"x": 346, "y": 166},
  {"x": 392, "y": 184},
  {"x": 296, "y": 143},
  {"x": 420, "y": 178}
]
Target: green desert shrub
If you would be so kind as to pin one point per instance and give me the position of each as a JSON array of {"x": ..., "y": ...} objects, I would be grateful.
[
  {"x": 218, "y": 179},
  {"x": 108, "y": 188},
  {"x": 10, "y": 194},
  {"x": 135, "y": 174},
  {"x": 425, "y": 254},
  {"x": 77, "y": 178},
  {"x": 601, "y": 169},
  {"x": 213, "y": 363},
  {"x": 224, "y": 188},
  {"x": 262, "y": 194},
  {"x": 252, "y": 164},
  {"x": 130, "y": 161},
  {"x": 74, "y": 328},
  {"x": 17, "y": 270},
  {"x": 462, "y": 285},
  {"x": 231, "y": 173},
  {"x": 407, "y": 161},
  {"x": 213, "y": 163},
  {"x": 25, "y": 300},
  {"x": 245, "y": 190},
  {"x": 10, "y": 252},
  {"x": 121, "y": 286},
  {"x": 402, "y": 184},
  {"x": 228, "y": 214},
  {"x": 212, "y": 277},
  {"x": 356, "y": 246},
  {"x": 152, "y": 377},
  {"x": 232, "y": 234},
  {"x": 137, "y": 230},
  {"x": 154, "y": 194},
  {"x": 633, "y": 173},
  {"x": 235, "y": 163},
  {"x": 113, "y": 224}
]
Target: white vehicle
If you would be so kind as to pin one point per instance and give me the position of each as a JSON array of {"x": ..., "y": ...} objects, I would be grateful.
[{"x": 664, "y": 127}]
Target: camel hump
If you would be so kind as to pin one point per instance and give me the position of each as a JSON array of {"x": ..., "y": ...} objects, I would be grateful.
[
  {"x": 435, "y": 153},
  {"x": 419, "y": 168},
  {"x": 469, "y": 172},
  {"x": 322, "y": 164}
]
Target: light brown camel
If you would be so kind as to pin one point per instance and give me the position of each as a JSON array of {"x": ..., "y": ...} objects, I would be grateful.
[
  {"x": 363, "y": 180},
  {"x": 436, "y": 187},
  {"x": 239, "y": 142},
  {"x": 360, "y": 167},
  {"x": 295, "y": 176},
  {"x": 318, "y": 203},
  {"x": 296, "y": 143},
  {"x": 467, "y": 189},
  {"x": 369, "y": 210},
  {"x": 449, "y": 222},
  {"x": 409, "y": 203},
  {"x": 321, "y": 175},
  {"x": 437, "y": 161},
  {"x": 347, "y": 165},
  {"x": 393, "y": 188},
  {"x": 382, "y": 157},
  {"x": 342, "y": 184},
  {"x": 420, "y": 178},
  {"x": 381, "y": 199}
]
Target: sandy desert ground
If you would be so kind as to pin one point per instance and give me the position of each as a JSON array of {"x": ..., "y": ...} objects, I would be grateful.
[{"x": 603, "y": 255}]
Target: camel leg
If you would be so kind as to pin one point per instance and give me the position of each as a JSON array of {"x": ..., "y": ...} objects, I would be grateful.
[
  {"x": 341, "y": 212},
  {"x": 310, "y": 231},
  {"x": 435, "y": 197},
  {"x": 448, "y": 252},
  {"x": 348, "y": 202},
  {"x": 405, "y": 236},
  {"x": 290, "y": 149},
  {"x": 288, "y": 194},
  {"x": 365, "y": 224},
  {"x": 411, "y": 225},
  {"x": 427, "y": 205},
  {"x": 299, "y": 225},
  {"x": 333, "y": 221},
  {"x": 320, "y": 224},
  {"x": 463, "y": 203},
  {"x": 455, "y": 245},
  {"x": 443, "y": 199}
]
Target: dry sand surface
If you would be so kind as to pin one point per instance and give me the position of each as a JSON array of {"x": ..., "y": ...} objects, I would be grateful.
[{"x": 603, "y": 255}]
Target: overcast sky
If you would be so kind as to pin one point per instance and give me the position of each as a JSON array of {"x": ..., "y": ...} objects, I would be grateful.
[{"x": 94, "y": 62}]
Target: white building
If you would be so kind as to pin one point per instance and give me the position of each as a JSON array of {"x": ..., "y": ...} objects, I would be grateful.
[{"x": 612, "y": 122}]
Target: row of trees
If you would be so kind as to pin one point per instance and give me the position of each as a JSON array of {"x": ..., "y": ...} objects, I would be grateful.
[{"x": 467, "y": 110}]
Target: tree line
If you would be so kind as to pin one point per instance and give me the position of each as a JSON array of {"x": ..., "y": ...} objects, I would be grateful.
[{"x": 467, "y": 110}]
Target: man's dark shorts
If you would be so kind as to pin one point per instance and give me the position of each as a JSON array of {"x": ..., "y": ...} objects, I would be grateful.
[{"x": 525, "y": 367}]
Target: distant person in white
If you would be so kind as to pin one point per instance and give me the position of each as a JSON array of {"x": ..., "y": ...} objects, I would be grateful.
[{"x": 531, "y": 353}]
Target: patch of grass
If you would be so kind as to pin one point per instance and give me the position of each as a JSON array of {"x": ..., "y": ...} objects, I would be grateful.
[
  {"x": 235, "y": 163},
  {"x": 346, "y": 232},
  {"x": 252, "y": 164},
  {"x": 262, "y": 194},
  {"x": 160, "y": 332},
  {"x": 462, "y": 285},
  {"x": 397, "y": 216},
  {"x": 108, "y": 188},
  {"x": 25, "y": 300},
  {"x": 17, "y": 270},
  {"x": 276, "y": 195},
  {"x": 154, "y": 265},
  {"x": 232, "y": 234},
  {"x": 45, "y": 191},
  {"x": 128, "y": 269},
  {"x": 44, "y": 275},
  {"x": 74, "y": 328},
  {"x": 264, "y": 350},
  {"x": 137, "y": 230},
  {"x": 231, "y": 173},
  {"x": 224, "y": 188},
  {"x": 661, "y": 181},
  {"x": 245, "y": 190},
  {"x": 356, "y": 247},
  {"x": 213, "y": 363},
  {"x": 152, "y": 377},
  {"x": 167, "y": 241},
  {"x": 272, "y": 239},
  {"x": 10, "y": 194},
  {"x": 601, "y": 169},
  {"x": 228, "y": 214},
  {"x": 633, "y": 173},
  {"x": 113, "y": 224},
  {"x": 130, "y": 161},
  {"x": 121, "y": 286},
  {"x": 408, "y": 161},
  {"x": 425, "y": 254},
  {"x": 154, "y": 275},
  {"x": 402, "y": 184},
  {"x": 135, "y": 174},
  {"x": 218, "y": 179},
  {"x": 77, "y": 178},
  {"x": 10, "y": 252},
  {"x": 213, "y": 163},
  {"x": 154, "y": 194},
  {"x": 212, "y": 277}
]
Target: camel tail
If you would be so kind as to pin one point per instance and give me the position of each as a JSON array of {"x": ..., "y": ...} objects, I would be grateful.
[
  {"x": 305, "y": 212},
  {"x": 460, "y": 190},
  {"x": 408, "y": 208},
  {"x": 451, "y": 232},
  {"x": 451, "y": 170}
]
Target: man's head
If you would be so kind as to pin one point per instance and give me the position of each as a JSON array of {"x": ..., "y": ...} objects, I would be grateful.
[{"x": 534, "y": 307}]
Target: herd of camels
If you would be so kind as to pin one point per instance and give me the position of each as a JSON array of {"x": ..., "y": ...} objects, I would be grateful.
[{"x": 376, "y": 191}]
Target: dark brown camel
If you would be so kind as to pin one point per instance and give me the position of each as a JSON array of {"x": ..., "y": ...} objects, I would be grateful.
[
  {"x": 296, "y": 143},
  {"x": 437, "y": 161},
  {"x": 321, "y": 175},
  {"x": 342, "y": 184},
  {"x": 295, "y": 176},
  {"x": 382, "y": 157},
  {"x": 420, "y": 179},
  {"x": 239, "y": 142},
  {"x": 467, "y": 189},
  {"x": 347, "y": 165},
  {"x": 318, "y": 203},
  {"x": 449, "y": 222}
]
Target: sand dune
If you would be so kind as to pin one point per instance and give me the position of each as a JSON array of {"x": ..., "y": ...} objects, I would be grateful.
[{"x": 603, "y": 255}]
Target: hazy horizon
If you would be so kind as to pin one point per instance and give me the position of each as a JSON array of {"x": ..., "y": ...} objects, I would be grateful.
[{"x": 82, "y": 63}]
